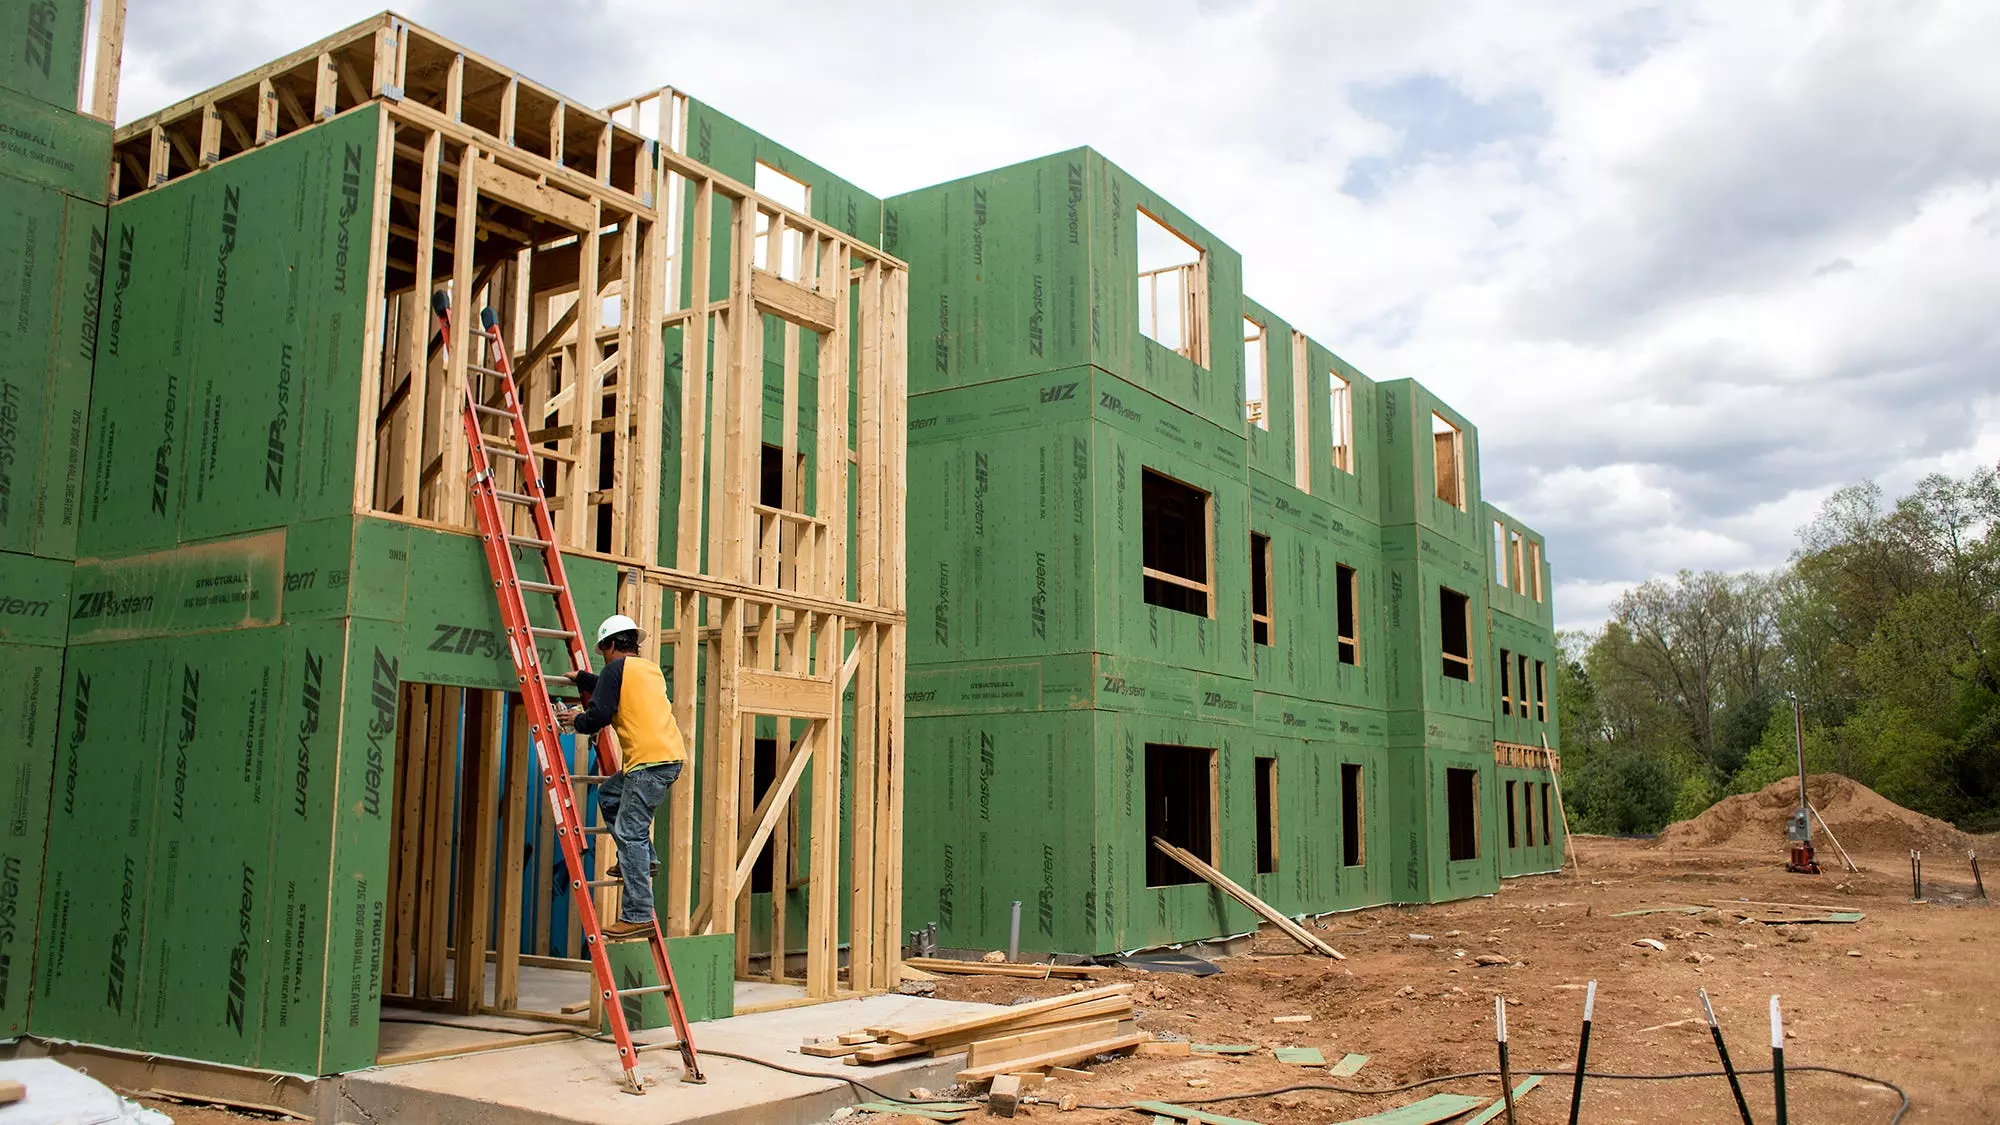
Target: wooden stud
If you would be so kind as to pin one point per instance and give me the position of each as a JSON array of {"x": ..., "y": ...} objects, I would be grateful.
[
  {"x": 513, "y": 860},
  {"x": 108, "y": 60}
]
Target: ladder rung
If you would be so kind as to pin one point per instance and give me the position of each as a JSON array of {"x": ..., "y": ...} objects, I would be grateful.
[
  {"x": 527, "y": 541},
  {"x": 604, "y": 882},
  {"x": 492, "y": 410},
  {"x": 556, "y": 681},
  {"x": 540, "y": 587},
  {"x": 590, "y": 778},
  {"x": 595, "y": 830},
  {"x": 514, "y": 497},
  {"x": 483, "y": 370},
  {"x": 496, "y": 451},
  {"x": 624, "y": 992},
  {"x": 538, "y": 631}
]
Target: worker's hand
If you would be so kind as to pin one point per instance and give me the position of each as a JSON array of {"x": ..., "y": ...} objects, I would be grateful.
[
  {"x": 566, "y": 719},
  {"x": 571, "y": 677}
]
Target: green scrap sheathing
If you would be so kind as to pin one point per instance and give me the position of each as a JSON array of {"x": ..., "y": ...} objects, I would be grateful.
[
  {"x": 1409, "y": 465},
  {"x": 1500, "y": 591},
  {"x": 1310, "y": 541},
  {"x": 1522, "y": 638},
  {"x": 34, "y": 600},
  {"x": 30, "y": 697},
  {"x": 1183, "y": 1113},
  {"x": 116, "y": 709},
  {"x": 1029, "y": 269},
  {"x": 1349, "y": 1065},
  {"x": 54, "y": 146},
  {"x": 52, "y": 259},
  {"x": 704, "y": 970},
  {"x": 45, "y": 45},
  {"x": 1300, "y": 1056},
  {"x": 1499, "y": 1105},
  {"x": 1436, "y": 1108},
  {"x": 1546, "y": 853},
  {"x": 227, "y": 388}
]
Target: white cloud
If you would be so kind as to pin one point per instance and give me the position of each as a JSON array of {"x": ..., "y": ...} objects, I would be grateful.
[{"x": 1689, "y": 266}]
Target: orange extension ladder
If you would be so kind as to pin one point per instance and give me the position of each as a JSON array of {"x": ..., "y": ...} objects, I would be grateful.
[{"x": 480, "y": 386}]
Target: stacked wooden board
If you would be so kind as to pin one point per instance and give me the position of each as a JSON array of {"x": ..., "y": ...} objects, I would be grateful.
[{"x": 1024, "y": 1039}]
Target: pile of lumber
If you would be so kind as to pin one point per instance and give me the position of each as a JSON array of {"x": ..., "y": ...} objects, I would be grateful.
[
  {"x": 1001, "y": 968},
  {"x": 1027, "y": 1038}
]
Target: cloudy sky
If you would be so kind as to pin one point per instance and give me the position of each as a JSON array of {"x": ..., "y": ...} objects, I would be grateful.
[{"x": 1689, "y": 265}]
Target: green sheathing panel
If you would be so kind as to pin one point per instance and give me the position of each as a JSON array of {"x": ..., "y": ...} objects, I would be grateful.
[
  {"x": 34, "y": 600},
  {"x": 1002, "y": 565},
  {"x": 1135, "y": 432},
  {"x": 228, "y": 382},
  {"x": 43, "y": 57},
  {"x": 54, "y": 147},
  {"x": 436, "y": 583},
  {"x": 1313, "y": 741},
  {"x": 203, "y": 966},
  {"x": 1462, "y": 746},
  {"x": 1360, "y": 489},
  {"x": 116, "y": 711},
  {"x": 360, "y": 848},
  {"x": 1213, "y": 392},
  {"x": 1420, "y": 564},
  {"x": 735, "y": 150},
  {"x": 227, "y": 584},
  {"x": 29, "y": 699},
  {"x": 1500, "y": 589},
  {"x": 1519, "y": 638},
  {"x": 1409, "y": 465},
  {"x": 1001, "y": 278},
  {"x": 1001, "y": 809},
  {"x": 51, "y": 275},
  {"x": 1546, "y": 851},
  {"x": 1310, "y": 541},
  {"x": 704, "y": 970}
]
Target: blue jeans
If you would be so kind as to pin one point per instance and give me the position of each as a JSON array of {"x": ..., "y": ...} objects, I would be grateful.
[{"x": 627, "y": 803}]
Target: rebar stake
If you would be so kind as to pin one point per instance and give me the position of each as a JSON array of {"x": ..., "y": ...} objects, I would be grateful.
[
  {"x": 1582, "y": 1052},
  {"x": 1722, "y": 1050},
  {"x": 1778, "y": 1058},
  {"x": 1977, "y": 882},
  {"x": 1506, "y": 1076}
]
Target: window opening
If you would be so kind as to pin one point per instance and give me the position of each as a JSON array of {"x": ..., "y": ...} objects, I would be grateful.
[
  {"x": 1528, "y": 813},
  {"x": 1256, "y": 375},
  {"x": 1535, "y": 568},
  {"x": 1301, "y": 416},
  {"x": 1499, "y": 553},
  {"x": 1515, "y": 553},
  {"x": 1173, "y": 290},
  {"x": 1461, "y": 789},
  {"x": 1260, "y": 588},
  {"x": 1344, "y": 615},
  {"x": 1541, "y": 692},
  {"x": 1340, "y": 412},
  {"x": 1176, "y": 550},
  {"x": 763, "y": 773},
  {"x": 1267, "y": 815},
  {"x": 1548, "y": 831},
  {"x": 1455, "y": 621},
  {"x": 1506, "y": 683},
  {"x": 1180, "y": 802},
  {"x": 1449, "y": 447},
  {"x": 795, "y": 194},
  {"x": 1353, "y": 839},
  {"x": 1513, "y": 840},
  {"x": 1521, "y": 667}
]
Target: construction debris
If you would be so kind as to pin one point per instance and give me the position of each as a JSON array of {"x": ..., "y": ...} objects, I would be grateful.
[
  {"x": 1263, "y": 909},
  {"x": 1025, "y": 1038},
  {"x": 1300, "y": 1056},
  {"x": 1348, "y": 1066},
  {"x": 1001, "y": 968}
]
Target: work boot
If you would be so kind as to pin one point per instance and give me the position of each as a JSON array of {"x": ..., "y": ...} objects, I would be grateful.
[
  {"x": 627, "y": 931},
  {"x": 615, "y": 873}
]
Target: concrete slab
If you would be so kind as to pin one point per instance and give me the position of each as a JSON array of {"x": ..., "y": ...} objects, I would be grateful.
[{"x": 578, "y": 1081}]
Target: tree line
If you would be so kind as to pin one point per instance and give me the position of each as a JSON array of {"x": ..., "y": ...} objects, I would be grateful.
[{"x": 1885, "y": 626}]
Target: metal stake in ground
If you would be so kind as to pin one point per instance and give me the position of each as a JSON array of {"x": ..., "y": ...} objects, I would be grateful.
[
  {"x": 1778, "y": 1058},
  {"x": 1722, "y": 1050},
  {"x": 1582, "y": 1052},
  {"x": 1500, "y": 1035},
  {"x": 1977, "y": 882}
]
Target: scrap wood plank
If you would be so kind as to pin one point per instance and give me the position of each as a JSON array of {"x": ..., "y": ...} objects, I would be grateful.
[
  {"x": 1225, "y": 1048},
  {"x": 1061, "y": 1057},
  {"x": 874, "y": 1052},
  {"x": 1348, "y": 1066},
  {"x": 1002, "y": 969},
  {"x": 1660, "y": 910},
  {"x": 1430, "y": 1111},
  {"x": 1499, "y": 1105},
  {"x": 912, "y": 1032},
  {"x": 985, "y": 1052},
  {"x": 1263, "y": 909},
  {"x": 925, "y": 1112},
  {"x": 1174, "y": 1112},
  {"x": 829, "y": 1050}
]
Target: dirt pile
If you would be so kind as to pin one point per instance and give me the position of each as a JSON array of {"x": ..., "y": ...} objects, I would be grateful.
[{"x": 1866, "y": 822}]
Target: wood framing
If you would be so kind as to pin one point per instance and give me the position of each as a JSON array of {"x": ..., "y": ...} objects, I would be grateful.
[{"x": 581, "y": 231}]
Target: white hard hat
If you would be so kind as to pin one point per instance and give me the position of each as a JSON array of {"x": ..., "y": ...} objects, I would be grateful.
[{"x": 615, "y": 624}]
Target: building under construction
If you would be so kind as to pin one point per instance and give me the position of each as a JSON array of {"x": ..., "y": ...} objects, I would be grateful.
[{"x": 271, "y": 778}]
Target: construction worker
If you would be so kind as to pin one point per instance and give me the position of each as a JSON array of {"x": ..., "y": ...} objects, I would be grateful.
[{"x": 630, "y": 697}]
